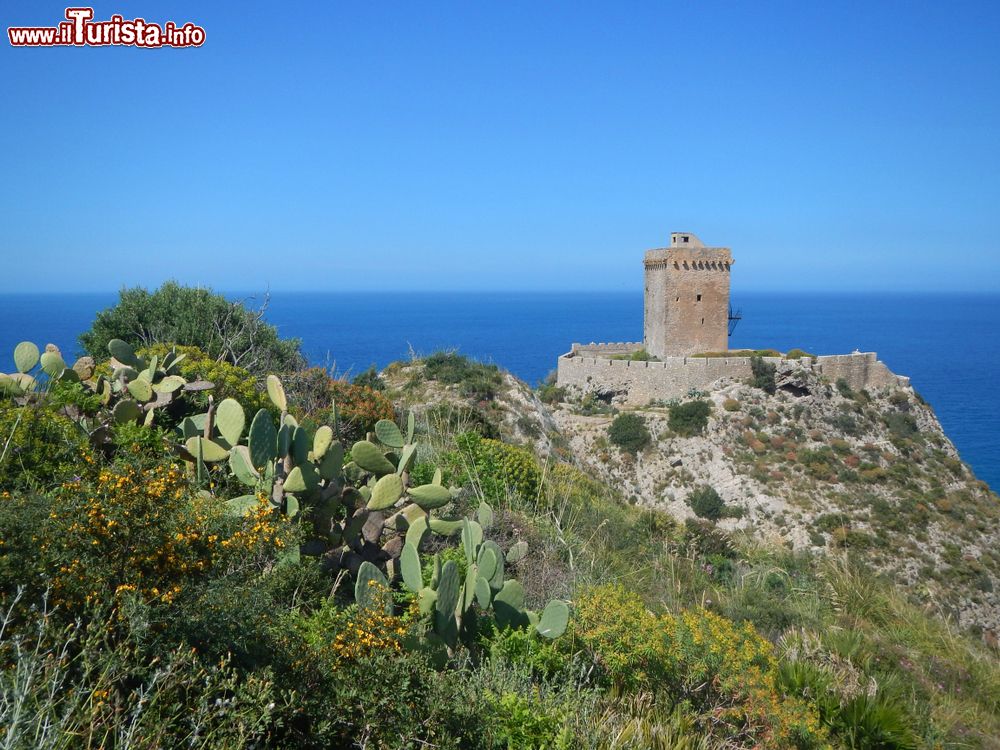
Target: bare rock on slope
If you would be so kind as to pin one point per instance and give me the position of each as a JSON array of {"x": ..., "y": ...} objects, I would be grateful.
[{"x": 818, "y": 469}]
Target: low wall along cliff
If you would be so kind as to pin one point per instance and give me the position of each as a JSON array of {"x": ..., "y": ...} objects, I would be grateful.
[{"x": 588, "y": 367}]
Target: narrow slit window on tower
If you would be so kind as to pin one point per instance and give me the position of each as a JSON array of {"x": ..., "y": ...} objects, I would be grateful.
[
  {"x": 678, "y": 299},
  {"x": 699, "y": 298},
  {"x": 703, "y": 321}
]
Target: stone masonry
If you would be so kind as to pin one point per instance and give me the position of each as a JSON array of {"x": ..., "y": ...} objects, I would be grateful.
[
  {"x": 590, "y": 369},
  {"x": 686, "y": 298},
  {"x": 687, "y": 312}
]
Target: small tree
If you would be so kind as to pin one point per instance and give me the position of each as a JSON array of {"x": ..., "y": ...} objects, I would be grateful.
[
  {"x": 628, "y": 431},
  {"x": 175, "y": 314},
  {"x": 689, "y": 418},
  {"x": 707, "y": 503},
  {"x": 763, "y": 374}
]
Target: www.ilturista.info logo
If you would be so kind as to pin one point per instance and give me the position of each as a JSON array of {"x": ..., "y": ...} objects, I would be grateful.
[{"x": 80, "y": 30}]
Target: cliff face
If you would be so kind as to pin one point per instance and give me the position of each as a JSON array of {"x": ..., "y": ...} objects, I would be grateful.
[
  {"x": 812, "y": 466},
  {"x": 827, "y": 469}
]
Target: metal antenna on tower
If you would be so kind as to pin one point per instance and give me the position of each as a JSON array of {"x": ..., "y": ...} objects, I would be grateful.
[{"x": 735, "y": 316}]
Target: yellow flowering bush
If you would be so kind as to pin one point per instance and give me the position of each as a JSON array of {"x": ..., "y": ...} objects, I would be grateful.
[
  {"x": 334, "y": 638},
  {"x": 624, "y": 639},
  {"x": 729, "y": 675},
  {"x": 129, "y": 530},
  {"x": 725, "y": 674}
]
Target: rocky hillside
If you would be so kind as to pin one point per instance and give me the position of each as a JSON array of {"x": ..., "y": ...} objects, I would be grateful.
[{"x": 813, "y": 466}]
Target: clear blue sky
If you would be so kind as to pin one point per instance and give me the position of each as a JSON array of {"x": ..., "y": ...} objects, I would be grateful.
[{"x": 506, "y": 145}]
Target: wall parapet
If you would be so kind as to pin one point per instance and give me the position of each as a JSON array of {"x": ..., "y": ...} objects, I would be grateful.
[{"x": 638, "y": 382}]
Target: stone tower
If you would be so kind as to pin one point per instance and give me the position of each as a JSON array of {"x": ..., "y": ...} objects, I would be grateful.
[{"x": 687, "y": 298}]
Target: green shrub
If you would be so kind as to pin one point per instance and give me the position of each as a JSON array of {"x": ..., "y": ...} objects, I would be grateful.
[
  {"x": 550, "y": 393},
  {"x": 689, "y": 418},
  {"x": 641, "y": 355},
  {"x": 591, "y": 404},
  {"x": 454, "y": 419},
  {"x": 731, "y": 404},
  {"x": 498, "y": 470},
  {"x": 224, "y": 330},
  {"x": 517, "y": 722},
  {"x": 370, "y": 379},
  {"x": 901, "y": 424},
  {"x": 707, "y": 503},
  {"x": 524, "y": 647},
  {"x": 705, "y": 539},
  {"x": 797, "y": 354},
  {"x": 763, "y": 374},
  {"x": 844, "y": 389},
  {"x": 629, "y": 432},
  {"x": 846, "y": 423},
  {"x": 474, "y": 379},
  {"x": 39, "y": 446}
]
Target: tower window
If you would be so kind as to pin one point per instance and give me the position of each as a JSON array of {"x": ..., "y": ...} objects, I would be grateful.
[
  {"x": 686, "y": 238},
  {"x": 677, "y": 299},
  {"x": 699, "y": 298},
  {"x": 703, "y": 321}
]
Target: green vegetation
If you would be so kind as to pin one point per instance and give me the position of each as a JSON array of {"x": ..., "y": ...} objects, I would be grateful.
[
  {"x": 741, "y": 353},
  {"x": 179, "y": 571},
  {"x": 474, "y": 379},
  {"x": 707, "y": 503},
  {"x": 640, "y": 355},
  {"x": 844, "y": 389},
  {"x": 689, "y": 418},
  {"x": 763, "y": 374},
  {"x": 224, "y": 330},
  {"x": 791, "y": 354},
  {"x": 629, "y": 432},
  {"x": 499, "y": 471}
]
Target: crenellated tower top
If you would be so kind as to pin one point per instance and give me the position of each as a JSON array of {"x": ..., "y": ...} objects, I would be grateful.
[{"x": 687, "y": 297}]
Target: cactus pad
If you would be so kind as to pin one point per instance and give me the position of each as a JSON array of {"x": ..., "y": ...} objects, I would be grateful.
[
  {"x": 230, "y": 420},
  {"x": 386, "y": 492},
  {"x": 370, "y": 458},
  {"x": 262, "y": 439},
  {"x": 388, "y": 433},
  {"x": 25, "y": 356},
  {"x": 554, "y": 619},
  {"x": 429, "y": 496},
  {"x": 276, "y": 392}
]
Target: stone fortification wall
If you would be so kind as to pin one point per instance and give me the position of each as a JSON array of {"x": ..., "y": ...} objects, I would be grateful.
[
  {"x": 861, "y": 370},
  {"x": 588, "y": 368}
]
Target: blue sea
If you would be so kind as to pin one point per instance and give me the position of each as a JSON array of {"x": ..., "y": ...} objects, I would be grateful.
[{"x": 947, "y": 344}]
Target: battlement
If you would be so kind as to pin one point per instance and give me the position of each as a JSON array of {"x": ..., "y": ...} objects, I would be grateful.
[{"x": 690, "y": 258}]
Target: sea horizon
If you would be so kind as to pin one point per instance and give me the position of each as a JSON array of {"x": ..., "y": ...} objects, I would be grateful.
[{"x": 938, "y": 339}]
